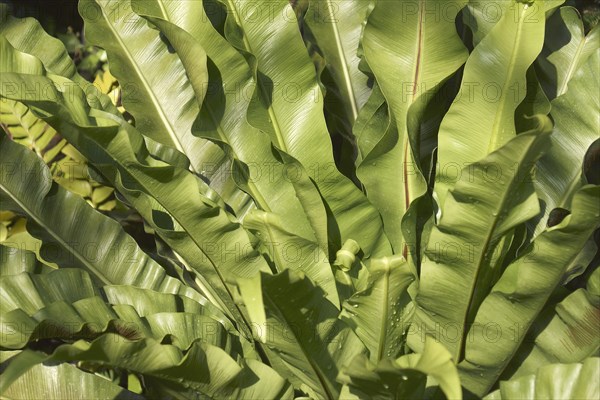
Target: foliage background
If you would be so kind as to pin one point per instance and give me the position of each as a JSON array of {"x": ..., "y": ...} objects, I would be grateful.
[
  {"x": 60, "y": 16},
  {"x": 57, "y": 15},
  {"x": 60, "y": 19}
]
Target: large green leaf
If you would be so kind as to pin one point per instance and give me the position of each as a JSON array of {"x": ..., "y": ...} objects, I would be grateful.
[
  {"x": 23, "y": 62},
  {"x": 402, "y": 378},
  {"x": 379, "y": 314},
  {"x": 288, "y": 104},
  {"x": 69, "y": 227},
  {"x": 517, "y": 298},
  {"x": 32, "y": 292},
  {"x": 155, "y": 87},
  {"x": 566, "y": 50},
  {"x": 482, "y": 117},
  {"x": 28, "y": 36},
  {"x": 464, "y": 254},
  {"x": 556, "y": 381},
  {"x": 293, "y": 252},
  {"x": 147, "y": 302},
  {"x": 411, "y": 52},
  {"x": 63, "y": 305},
  {"x": 272, "y": 180},
  {"x": 575, "y": 114},
  {"x": 204, "y": 368},
  {"x": 481, "y": 17},
  {"x": 568, "y": 334},
  {"x": 144, "y": 303},
  {"x": 336, "y": 28},
  {"x": 14, "y": 260},
  {"x": 62, "y": 381},
  {"x": 300, "y": 326}
]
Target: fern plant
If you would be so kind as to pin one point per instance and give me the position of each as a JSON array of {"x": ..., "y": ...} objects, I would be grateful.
[{"x": 444, "y": 247}]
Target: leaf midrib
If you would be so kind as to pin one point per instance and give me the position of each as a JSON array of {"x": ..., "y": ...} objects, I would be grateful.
[
  {"x": 146, "y": 85},
  {"x": 55, "y": 235},
  {"x": 484, "y": 251},
  {"x": 342, "y": 56},
  {"x": 572, "y": 68},
  {"x": 272, "y": 116},
  {"x": 308, "y": 357},
  {"x": 385, "y": 311},
  {"x": 416, "y": 77},
  {"x": 493, "y": 144}
]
